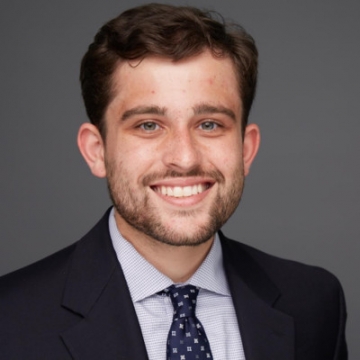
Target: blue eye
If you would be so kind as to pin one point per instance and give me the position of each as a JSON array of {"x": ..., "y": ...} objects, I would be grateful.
[
  {"x": 208, "y": 125},
  {"x": 149, "y": 126}
]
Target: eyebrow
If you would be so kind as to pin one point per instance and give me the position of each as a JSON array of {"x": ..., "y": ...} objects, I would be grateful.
[
  {"x": 141, "y": 110},
  {"x": 200, "y": 109},
  {"x": 203, "y": 109}
]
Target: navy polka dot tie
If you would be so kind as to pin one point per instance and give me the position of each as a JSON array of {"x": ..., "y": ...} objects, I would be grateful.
[{"x": 187, "y": 339}]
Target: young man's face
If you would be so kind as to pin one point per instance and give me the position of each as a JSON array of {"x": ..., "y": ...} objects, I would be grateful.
[{"x": 174, "y": 155}]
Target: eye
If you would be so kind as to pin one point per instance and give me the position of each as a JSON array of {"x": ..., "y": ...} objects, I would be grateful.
[
  {"x": 209, "y": 125},
  {"x": 149, "y": 126}
]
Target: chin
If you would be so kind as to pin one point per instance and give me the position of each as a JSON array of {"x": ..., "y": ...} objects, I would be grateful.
[{"x": 186, "y": 233}]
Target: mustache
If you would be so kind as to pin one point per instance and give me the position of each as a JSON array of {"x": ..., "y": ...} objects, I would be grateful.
[{"x": 196, "y": 172}]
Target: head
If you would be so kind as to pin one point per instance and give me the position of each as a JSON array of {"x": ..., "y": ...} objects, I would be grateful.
[
  {"x": 166, "y": 31},
  {"x": 168, "y": 91}
]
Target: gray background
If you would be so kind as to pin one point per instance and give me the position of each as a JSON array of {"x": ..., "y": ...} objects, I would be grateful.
[{"x": 302, "y": 197}]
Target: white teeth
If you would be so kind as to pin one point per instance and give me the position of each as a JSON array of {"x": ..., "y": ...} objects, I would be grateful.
[
  {"x": 178, "y": 191},
  {"x": 187, "y": 191}
]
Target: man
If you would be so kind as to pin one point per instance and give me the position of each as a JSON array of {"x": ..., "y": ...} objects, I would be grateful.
[{"x": 168, "y": 91}]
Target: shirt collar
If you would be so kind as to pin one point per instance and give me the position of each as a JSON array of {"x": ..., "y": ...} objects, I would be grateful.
[{"x": 145, "y": 280}]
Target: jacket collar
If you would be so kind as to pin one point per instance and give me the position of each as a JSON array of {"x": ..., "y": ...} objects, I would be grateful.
[
  {"x": 265, "y": 331},
  {"x": 96, "y": 290}
]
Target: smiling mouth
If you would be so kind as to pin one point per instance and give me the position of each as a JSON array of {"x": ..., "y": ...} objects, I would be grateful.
[{"x": 181, "y": 191}]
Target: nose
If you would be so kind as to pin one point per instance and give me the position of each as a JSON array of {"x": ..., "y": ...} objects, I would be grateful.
[{"x": 181, "y": 152}]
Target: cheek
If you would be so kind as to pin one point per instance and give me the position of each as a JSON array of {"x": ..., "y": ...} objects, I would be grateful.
[
  {"x": 125, "y": 147},
  {"x": 227, "y": 157},
  {"x": 134, "y": 158}
]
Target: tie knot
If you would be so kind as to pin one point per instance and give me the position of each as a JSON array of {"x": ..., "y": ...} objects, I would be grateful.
[{"x": 183, "y": 299}]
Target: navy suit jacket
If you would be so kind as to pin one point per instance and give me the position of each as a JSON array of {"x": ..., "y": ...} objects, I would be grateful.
[{"x": 75, "y": 304}]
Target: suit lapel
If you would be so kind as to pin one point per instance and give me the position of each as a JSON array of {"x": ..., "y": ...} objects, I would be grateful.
[
  {"x": 96, "y": 290},
  {"x": 266, "y": 332}
]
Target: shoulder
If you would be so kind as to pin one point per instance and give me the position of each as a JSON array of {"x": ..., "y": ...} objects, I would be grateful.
[
  {"x": 310, "y": 295},
  {"x": 44, "y": 281},
  {"x": 52, "y": 271},
  {"x": 304, "y": 292},
  {"x": 35, "y": 285},
  {"x": 281, "y": 271}
]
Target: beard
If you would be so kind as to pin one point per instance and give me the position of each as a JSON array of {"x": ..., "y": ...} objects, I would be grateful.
[{"x": 134, "y": 205}]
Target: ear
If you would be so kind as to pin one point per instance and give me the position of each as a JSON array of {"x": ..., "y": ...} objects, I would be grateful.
[
  {"x": 251, "y": 145},
  {"x": 91, "y": 146}
]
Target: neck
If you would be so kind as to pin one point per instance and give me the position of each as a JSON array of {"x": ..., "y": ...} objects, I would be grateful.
[{"x": 178, "y": 263}]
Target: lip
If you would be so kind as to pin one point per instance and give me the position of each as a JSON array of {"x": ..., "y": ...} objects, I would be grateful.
[
  {"x": 184, "y": 201},
  {"x": 182, "y": 182}
]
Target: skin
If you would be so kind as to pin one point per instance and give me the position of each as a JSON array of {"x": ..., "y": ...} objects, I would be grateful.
[{"x": 170, "y": 126}]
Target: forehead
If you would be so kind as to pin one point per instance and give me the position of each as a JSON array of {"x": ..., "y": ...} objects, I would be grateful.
[{"x": 162, "y": 81}]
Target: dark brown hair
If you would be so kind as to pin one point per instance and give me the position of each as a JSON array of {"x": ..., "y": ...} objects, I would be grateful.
[{"x": 163, "y": 30}]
